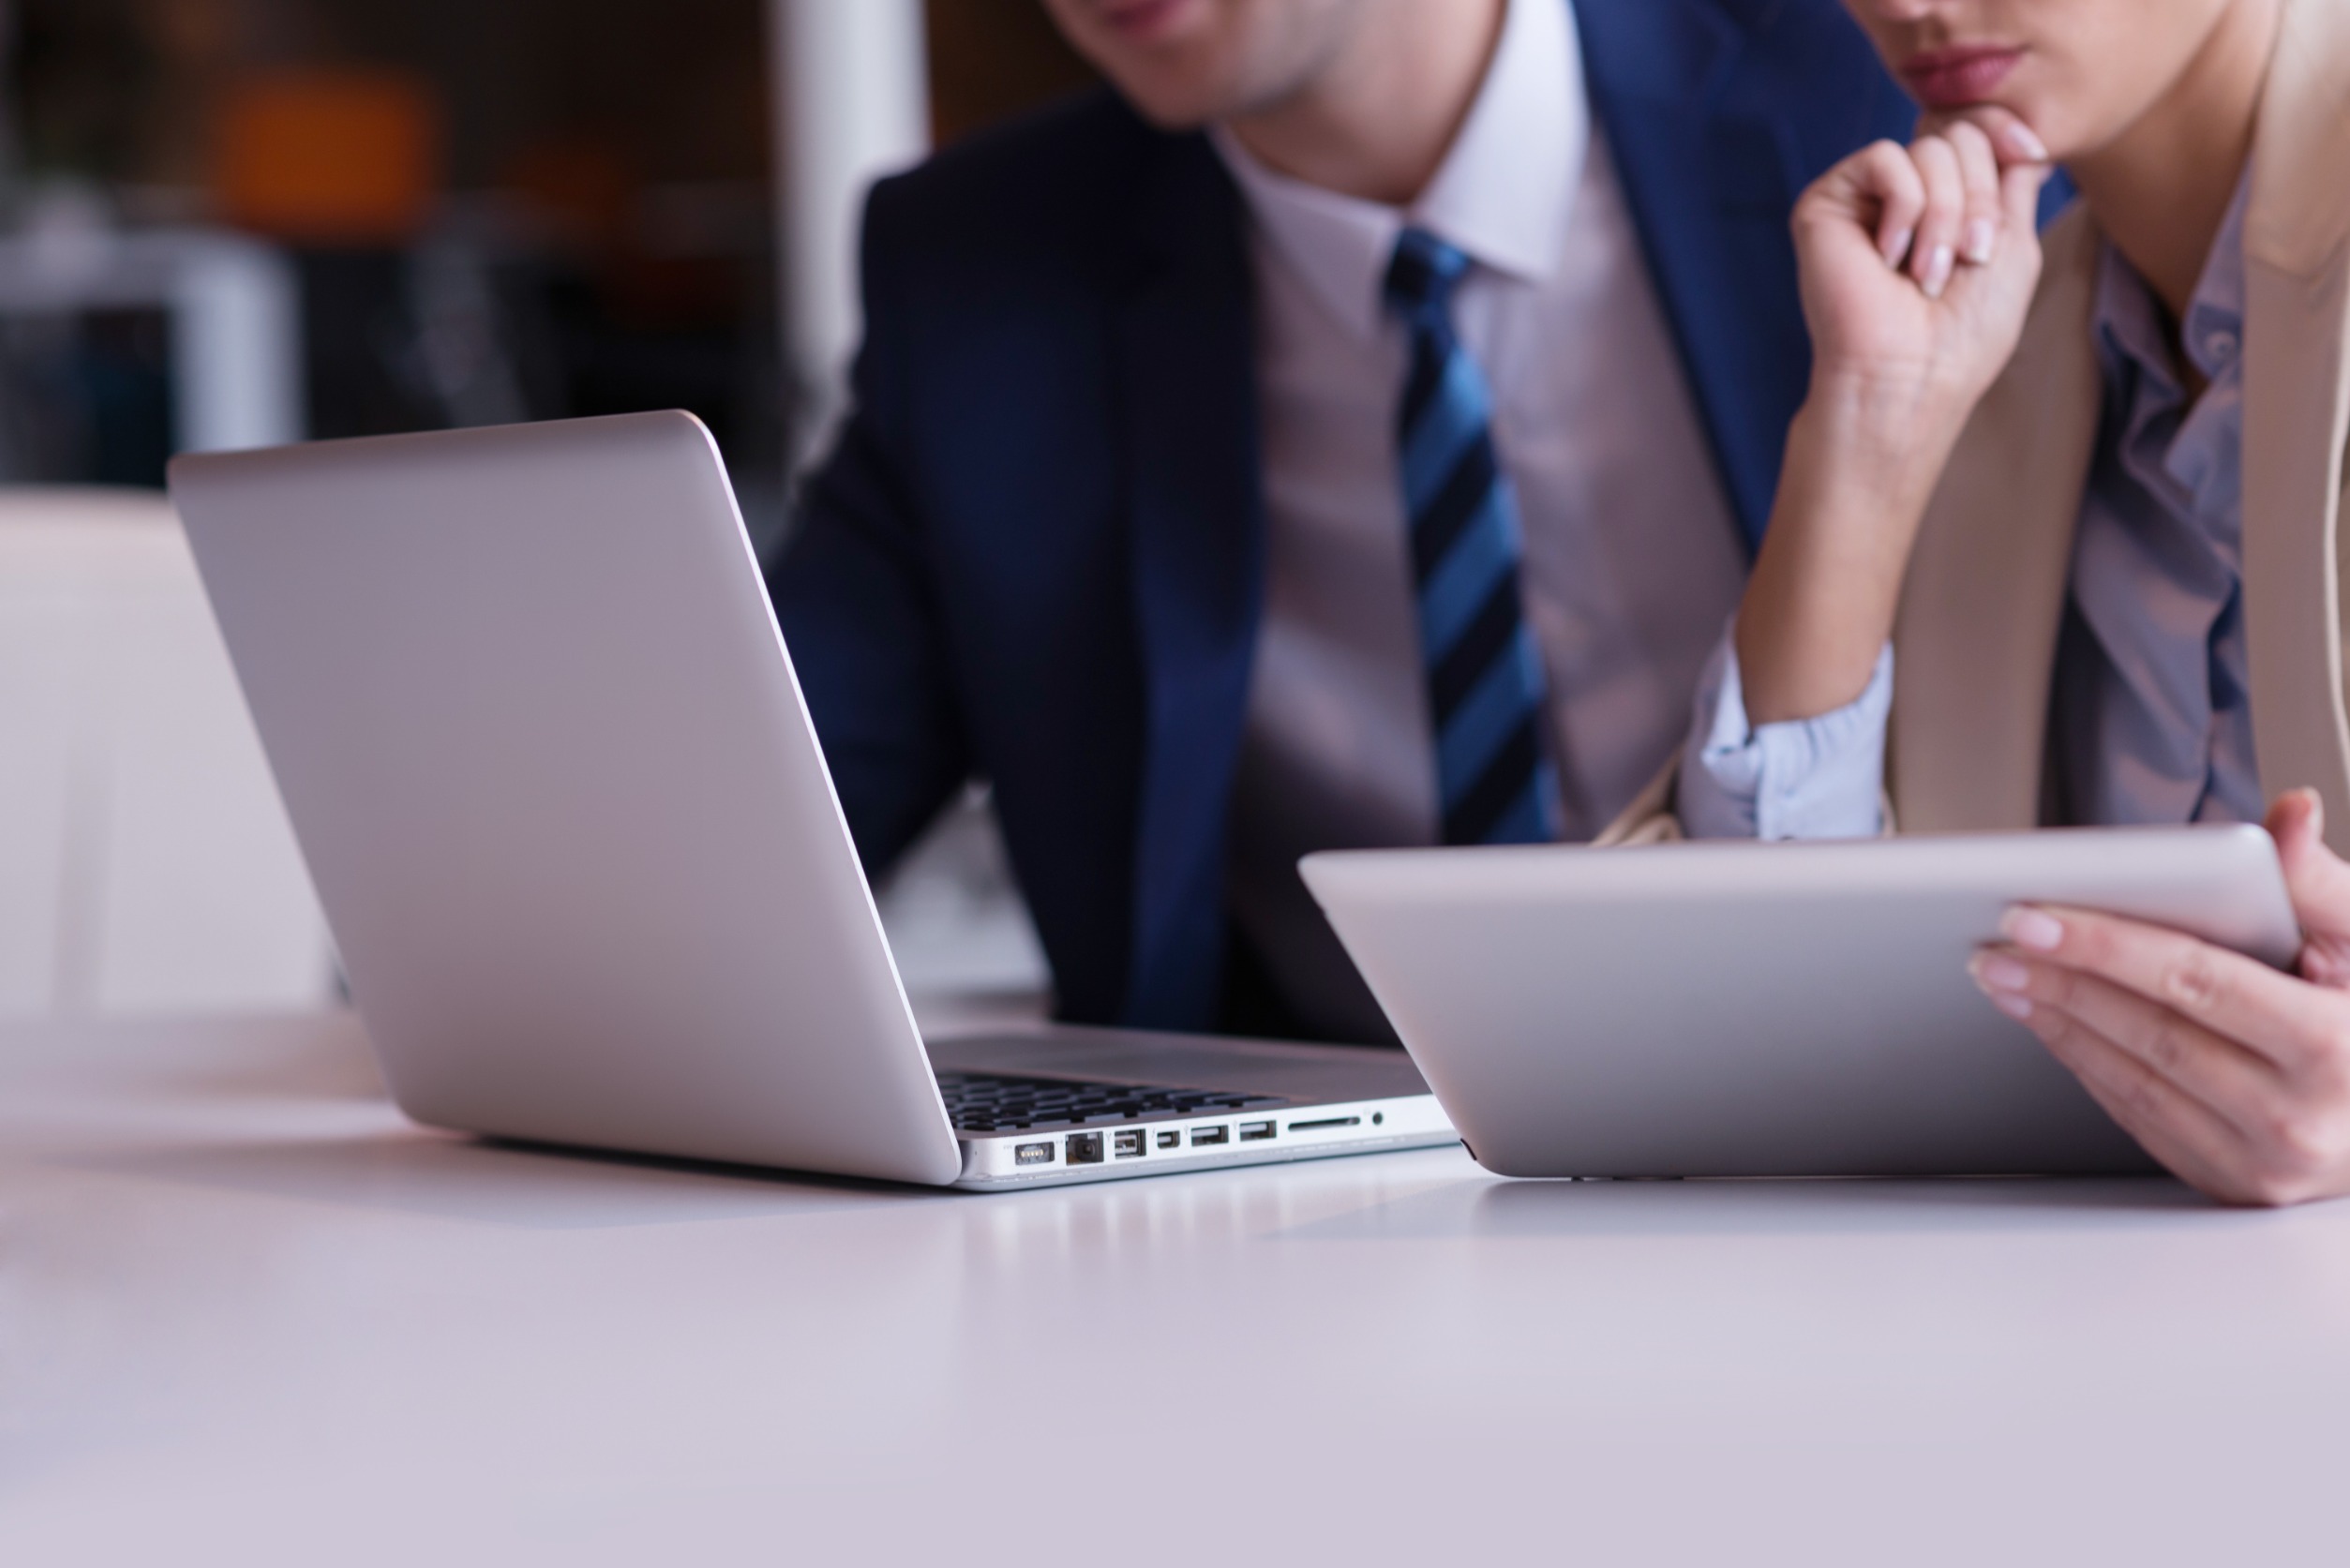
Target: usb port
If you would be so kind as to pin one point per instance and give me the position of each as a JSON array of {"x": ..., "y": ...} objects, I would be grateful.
[
  {"x": 1210, "y": 1135},
  {"x": 1255, "y": 1132},
  {"x": 1033, "y": 1154},
  {"x": 1084, "y": 1148},
  {"x": 1126, "y": 1144},
  {"x": 1171, "y": 1140}
]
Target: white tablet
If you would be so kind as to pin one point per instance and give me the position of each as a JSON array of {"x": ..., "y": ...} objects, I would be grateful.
[{"x": 1743, "y": 1010}]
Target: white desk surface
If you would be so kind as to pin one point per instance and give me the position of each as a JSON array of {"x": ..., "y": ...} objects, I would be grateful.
[{"x": 249, "y": 1315}]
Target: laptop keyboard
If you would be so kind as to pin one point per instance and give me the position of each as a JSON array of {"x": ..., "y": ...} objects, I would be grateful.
[{"x": 996, "y": 1102}]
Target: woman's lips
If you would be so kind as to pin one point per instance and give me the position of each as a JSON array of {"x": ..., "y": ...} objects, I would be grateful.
[
  {"x": 1143, "y": 21},
  {"x": 1955, "y": 78}
]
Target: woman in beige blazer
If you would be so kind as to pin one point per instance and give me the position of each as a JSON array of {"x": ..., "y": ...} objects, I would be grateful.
[{"x": 2012, "y": 561}]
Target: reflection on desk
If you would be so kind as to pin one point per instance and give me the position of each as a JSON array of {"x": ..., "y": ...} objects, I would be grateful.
[{"x": 243, "y": 1306}]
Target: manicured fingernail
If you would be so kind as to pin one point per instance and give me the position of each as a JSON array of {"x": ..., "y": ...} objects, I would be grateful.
[
  {"x": 1981, "y": 236},
  {"x": 2030, "y": 928},
  {"x": 1897, "y": 245},
  {"x": 1937, "y": 271},
  {"x": 2017, "y": 1007},
  {"x": 1994, "y": 972},
  {"x": 2025, "y": 144}
]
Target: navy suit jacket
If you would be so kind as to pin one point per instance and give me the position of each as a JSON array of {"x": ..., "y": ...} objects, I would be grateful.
[{"x": 1036, "y": 554}]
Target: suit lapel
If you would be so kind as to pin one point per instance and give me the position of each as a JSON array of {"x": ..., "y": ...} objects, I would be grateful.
[
  {"x": 1717, "y": 112},
  {"x": 1656, "y": 72},
  {"x": 1184, "y": 376},
  {"x": 1985, "y": 596},
  {"x": 2296, "y": 406}
]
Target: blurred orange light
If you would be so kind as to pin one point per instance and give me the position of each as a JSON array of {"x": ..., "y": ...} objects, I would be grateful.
[{"x": 329, "y": 157}]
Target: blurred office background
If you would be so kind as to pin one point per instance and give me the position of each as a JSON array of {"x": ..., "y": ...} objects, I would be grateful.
[{"x": 237, "y": 222}]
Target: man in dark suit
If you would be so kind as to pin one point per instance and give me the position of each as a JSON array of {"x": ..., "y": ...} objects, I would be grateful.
[{"x": 1351, "y": 430}]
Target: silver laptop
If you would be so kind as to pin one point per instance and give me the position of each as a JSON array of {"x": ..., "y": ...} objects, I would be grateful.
[
  {"x": 541, "y": 743},
  {"x": 1745, "y": 1010}
]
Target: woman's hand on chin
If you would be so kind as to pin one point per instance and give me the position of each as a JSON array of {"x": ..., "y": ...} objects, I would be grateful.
[
  {"x": 1918, "y": 266},
  {"x": 2235, "y": 1076}
]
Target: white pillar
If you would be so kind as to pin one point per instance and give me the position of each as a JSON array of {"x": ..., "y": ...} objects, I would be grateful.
[
  {"x": 851, "y": 92},
  {"x": 237, "y": 345}
]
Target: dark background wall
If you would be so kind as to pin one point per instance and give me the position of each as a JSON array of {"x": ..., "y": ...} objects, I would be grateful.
[{"x": 598, "y": 236}]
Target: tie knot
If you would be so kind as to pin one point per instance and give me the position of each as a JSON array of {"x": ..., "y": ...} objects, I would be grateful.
[{"x": 1421, "y": 277}]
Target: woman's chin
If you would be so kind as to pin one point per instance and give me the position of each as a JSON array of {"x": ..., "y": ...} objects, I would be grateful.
[
  {"x": 2065, "y": 121},
  {"x": 2058, "y": 130},
  {"x": 2060, "y": 136}
]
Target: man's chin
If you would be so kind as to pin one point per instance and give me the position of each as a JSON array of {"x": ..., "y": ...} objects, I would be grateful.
[{"x": 1180, "y": 109}]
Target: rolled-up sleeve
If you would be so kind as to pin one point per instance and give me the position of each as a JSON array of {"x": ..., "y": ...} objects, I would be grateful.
[{"x": 1820, "y": 778}]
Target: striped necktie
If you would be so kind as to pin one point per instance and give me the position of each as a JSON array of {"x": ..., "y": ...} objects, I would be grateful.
[{"x": 1485, "y": 676}]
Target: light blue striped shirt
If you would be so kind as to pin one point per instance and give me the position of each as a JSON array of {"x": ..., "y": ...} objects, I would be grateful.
[{"x": 2150, "y": 719}]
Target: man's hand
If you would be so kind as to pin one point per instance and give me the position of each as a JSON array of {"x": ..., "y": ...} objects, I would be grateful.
[{"x": 2235, "y": 1076}]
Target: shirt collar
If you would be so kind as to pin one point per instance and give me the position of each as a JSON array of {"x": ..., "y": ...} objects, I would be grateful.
[
  {"x": 1502, "y": 194},
  {"x": 2128, "y": 317},
  {"x": 2214, "y": 333}
]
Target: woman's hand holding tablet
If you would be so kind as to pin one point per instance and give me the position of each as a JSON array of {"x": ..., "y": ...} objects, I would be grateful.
[{"x": 2232, "y": 1074}]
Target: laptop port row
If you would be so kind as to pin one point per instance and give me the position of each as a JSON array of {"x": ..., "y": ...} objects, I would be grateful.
[{"x": 1086, "y": 1148}]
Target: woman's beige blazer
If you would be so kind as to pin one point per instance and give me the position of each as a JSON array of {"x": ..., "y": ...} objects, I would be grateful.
[{"x": 1975, "y": 642}]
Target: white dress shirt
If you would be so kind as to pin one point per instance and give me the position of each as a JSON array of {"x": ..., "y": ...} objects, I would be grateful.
[{"x": 1632, "y": 557}]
